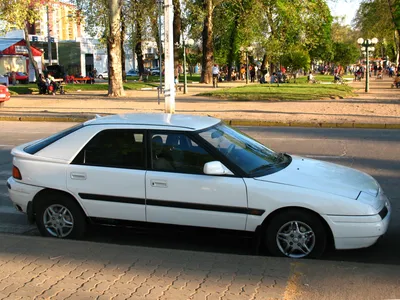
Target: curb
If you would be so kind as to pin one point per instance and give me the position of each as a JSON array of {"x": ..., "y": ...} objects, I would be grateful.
[
  {"x": 232, "y": 122},
  {"x": 243, "y": 122}
]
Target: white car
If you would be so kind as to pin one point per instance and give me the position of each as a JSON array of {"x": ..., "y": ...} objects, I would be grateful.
[
  {"x": 103, "y": 75},
  {"x": 193, "y": 171}
]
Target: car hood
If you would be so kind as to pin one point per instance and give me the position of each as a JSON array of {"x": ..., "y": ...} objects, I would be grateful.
[{"x": 325, "y": 177}]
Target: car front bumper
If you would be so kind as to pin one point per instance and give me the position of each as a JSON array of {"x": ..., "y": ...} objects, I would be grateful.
[
  {"x": 21, "y": 194},
  {"x": 353, "y": 232}
]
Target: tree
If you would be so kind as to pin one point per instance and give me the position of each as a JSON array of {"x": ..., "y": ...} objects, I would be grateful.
[
  {"x": 345, "y": 53},
  {"x": 21, "y": 13},
  {"x": 115, "y": 85},
  {"x": 208, "y": 49},
  {"x": 381, "y": 19},
  {"x": 105, "y": 16},
  {"x": 294, "y": 60}
]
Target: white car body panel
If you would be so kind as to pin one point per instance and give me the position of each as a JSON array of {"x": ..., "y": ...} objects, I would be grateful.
[
  {"x": 113, "y": 182},
  {"x": 21, "y": 194},
  {"x": 272, "y": 196},
  {"x": 196, "y": 189},
  {"x": 324, "y": 176}
]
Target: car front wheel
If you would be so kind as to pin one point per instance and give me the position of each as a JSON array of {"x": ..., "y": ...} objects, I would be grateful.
[
  {"x": 100, "y": 77},
  {"x": 296, "y": 234},
  {"x": 58, "y": 215}
]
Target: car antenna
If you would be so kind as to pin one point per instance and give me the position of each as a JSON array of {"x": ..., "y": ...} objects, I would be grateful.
[{"x": 97, "y": 116}]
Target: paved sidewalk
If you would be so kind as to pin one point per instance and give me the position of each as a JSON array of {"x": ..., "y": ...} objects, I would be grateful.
[
  {"x": 378, "y": 109},
  {"x": 48, "y": 268}
]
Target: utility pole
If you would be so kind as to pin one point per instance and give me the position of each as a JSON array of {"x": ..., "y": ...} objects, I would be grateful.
[
  {"x": 169, "y": 58},
  {"x": 160, "y": 88},
  {"x": 48, "y": 36}
]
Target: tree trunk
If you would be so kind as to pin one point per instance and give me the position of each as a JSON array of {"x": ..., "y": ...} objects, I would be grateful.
[
  {"x": 392, "y": 10},
  {"x": 177, "y": 25},
  {"x": 156, "y": 31},
  {"x": 122, "y": 48},
  {"x": 207, "y": 34},
  {"x": 30, "y": 54},
  {"x": 264, "y": 62},
  {"x": 231, "y": 54},
  {"x": 138, "y": 50},
  {"x": 115, "y": 87}
]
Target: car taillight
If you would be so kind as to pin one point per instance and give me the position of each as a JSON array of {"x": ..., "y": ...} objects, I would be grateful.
[{"x": 16, "y": 173}]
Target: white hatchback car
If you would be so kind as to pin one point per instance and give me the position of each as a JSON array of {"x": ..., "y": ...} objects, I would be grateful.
[{"x": 193, "y": 171}]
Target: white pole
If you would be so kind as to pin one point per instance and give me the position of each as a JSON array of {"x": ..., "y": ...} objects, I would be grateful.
[{"x": 169, "y": 57}]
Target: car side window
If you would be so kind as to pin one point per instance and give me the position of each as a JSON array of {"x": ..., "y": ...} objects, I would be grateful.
[
  {"x": 115, "y": 148},
  {"x": 175, "y": 152}
]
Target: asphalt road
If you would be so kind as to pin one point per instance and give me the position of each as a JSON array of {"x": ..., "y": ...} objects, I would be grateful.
[{"x": 376, "y": 152}]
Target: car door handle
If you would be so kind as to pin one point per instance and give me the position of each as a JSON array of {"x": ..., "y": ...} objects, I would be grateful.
[
  {"x": 78, "y": 176},
  {"x": 158, "y": 183}
]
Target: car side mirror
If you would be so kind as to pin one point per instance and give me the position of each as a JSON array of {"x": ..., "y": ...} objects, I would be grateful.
[{"x": 216, "y": 168}]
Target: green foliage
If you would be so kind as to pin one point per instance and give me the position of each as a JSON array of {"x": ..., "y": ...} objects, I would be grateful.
[
  {"x": 380, "y": 19},
  {"x": 296, "y": 59},
  {"x": 16, "y": 13},
  {"x": 345, "y": 53}
]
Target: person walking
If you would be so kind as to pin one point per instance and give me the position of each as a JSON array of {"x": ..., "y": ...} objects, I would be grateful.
[
  {"x": 252, "y": 74},
  {"x": 215, "y": 75}
]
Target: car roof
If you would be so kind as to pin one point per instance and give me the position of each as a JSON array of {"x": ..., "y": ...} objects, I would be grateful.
[{"x": 157, "y": 119}]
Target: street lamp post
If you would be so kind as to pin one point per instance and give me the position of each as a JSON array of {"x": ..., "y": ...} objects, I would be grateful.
[
  {"x": 49, "y": 55},
  {"x": 367, "y": 44},
  {"x": 189, "y": 42},
  {"x": 247, "y": 50},
  {"x": 160, "y": 7}
]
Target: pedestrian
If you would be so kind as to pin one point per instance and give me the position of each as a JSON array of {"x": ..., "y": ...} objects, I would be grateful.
[
  {"x": 252, "y": 74},
  {"x": 273, "y": 78},
  {"x": 215, "y": 75},
  {"x": 13, "y": 78},
  {"x": 242, "y": 73}
]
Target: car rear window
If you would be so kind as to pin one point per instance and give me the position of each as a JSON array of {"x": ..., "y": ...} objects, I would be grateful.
[{"x": 36, "y": 147}]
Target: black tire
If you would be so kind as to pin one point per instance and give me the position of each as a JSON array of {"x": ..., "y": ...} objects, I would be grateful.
[
  {"x": 304, "y": 219},
  {"x": 61, "y": 200},
  {"x": 100, "y": 77}
]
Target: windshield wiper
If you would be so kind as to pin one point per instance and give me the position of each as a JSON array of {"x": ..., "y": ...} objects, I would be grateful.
[
  {"x": 280, "y": 157},
  {"x": 260, "y": 168}
]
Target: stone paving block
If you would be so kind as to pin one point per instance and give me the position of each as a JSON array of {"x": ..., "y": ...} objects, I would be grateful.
[
  {"x": 200, "y": 295},
  {"x": 28, "y": 291},
  {"x": 68, "y": 283},
  {"x": 64, "y": 294},
  {"x": 89, "y": 285},
  {"x": 80, "y": 295},
  {"x": 102, "y": 287},
  {"x": 50, "y": 292},
  {"x": 143, "y": 290},
  {"x": 235, "y": 297},
  {"x": 155, "y": 292}
]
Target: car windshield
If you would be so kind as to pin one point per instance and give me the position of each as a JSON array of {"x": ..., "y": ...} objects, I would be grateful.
[{"x": 249, "y": 155}]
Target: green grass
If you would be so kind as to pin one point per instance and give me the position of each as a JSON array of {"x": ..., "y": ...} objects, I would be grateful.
[
  {"x": 322, "y": 78},
  {"x": 33, "y": 89},
  {"x": 283, "y": 92}
]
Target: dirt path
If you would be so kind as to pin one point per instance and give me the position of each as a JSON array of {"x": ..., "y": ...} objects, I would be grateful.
[{"x": 379, "y": 106}]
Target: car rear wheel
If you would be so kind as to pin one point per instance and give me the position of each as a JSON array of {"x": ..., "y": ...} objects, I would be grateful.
[
  {"x": 100, "y": 76},
  {"x": 58, "y": 215},
  {"x": 296, "y": 234}
]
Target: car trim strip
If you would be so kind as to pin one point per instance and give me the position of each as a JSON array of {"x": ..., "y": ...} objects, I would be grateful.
[
  {"x": 112, "y": 198},
  {"x": 175, "y": 204},
  {"x": 209, "y": 207}
]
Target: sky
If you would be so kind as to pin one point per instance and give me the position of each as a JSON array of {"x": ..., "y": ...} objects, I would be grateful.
[{"x": 345, "y": 8}]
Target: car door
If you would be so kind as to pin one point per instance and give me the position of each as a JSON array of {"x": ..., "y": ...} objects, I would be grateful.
[
  {"x": 107, "y": 176},
  {"x": 178, "y": 192}
]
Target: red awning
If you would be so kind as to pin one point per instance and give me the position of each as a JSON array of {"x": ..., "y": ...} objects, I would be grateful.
[{"x": 16, "y": 47}]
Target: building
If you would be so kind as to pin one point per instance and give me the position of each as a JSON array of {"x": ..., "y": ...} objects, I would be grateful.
[
  {"x": 61, "y": 29},
  {"x": 14, "y": 57}
]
